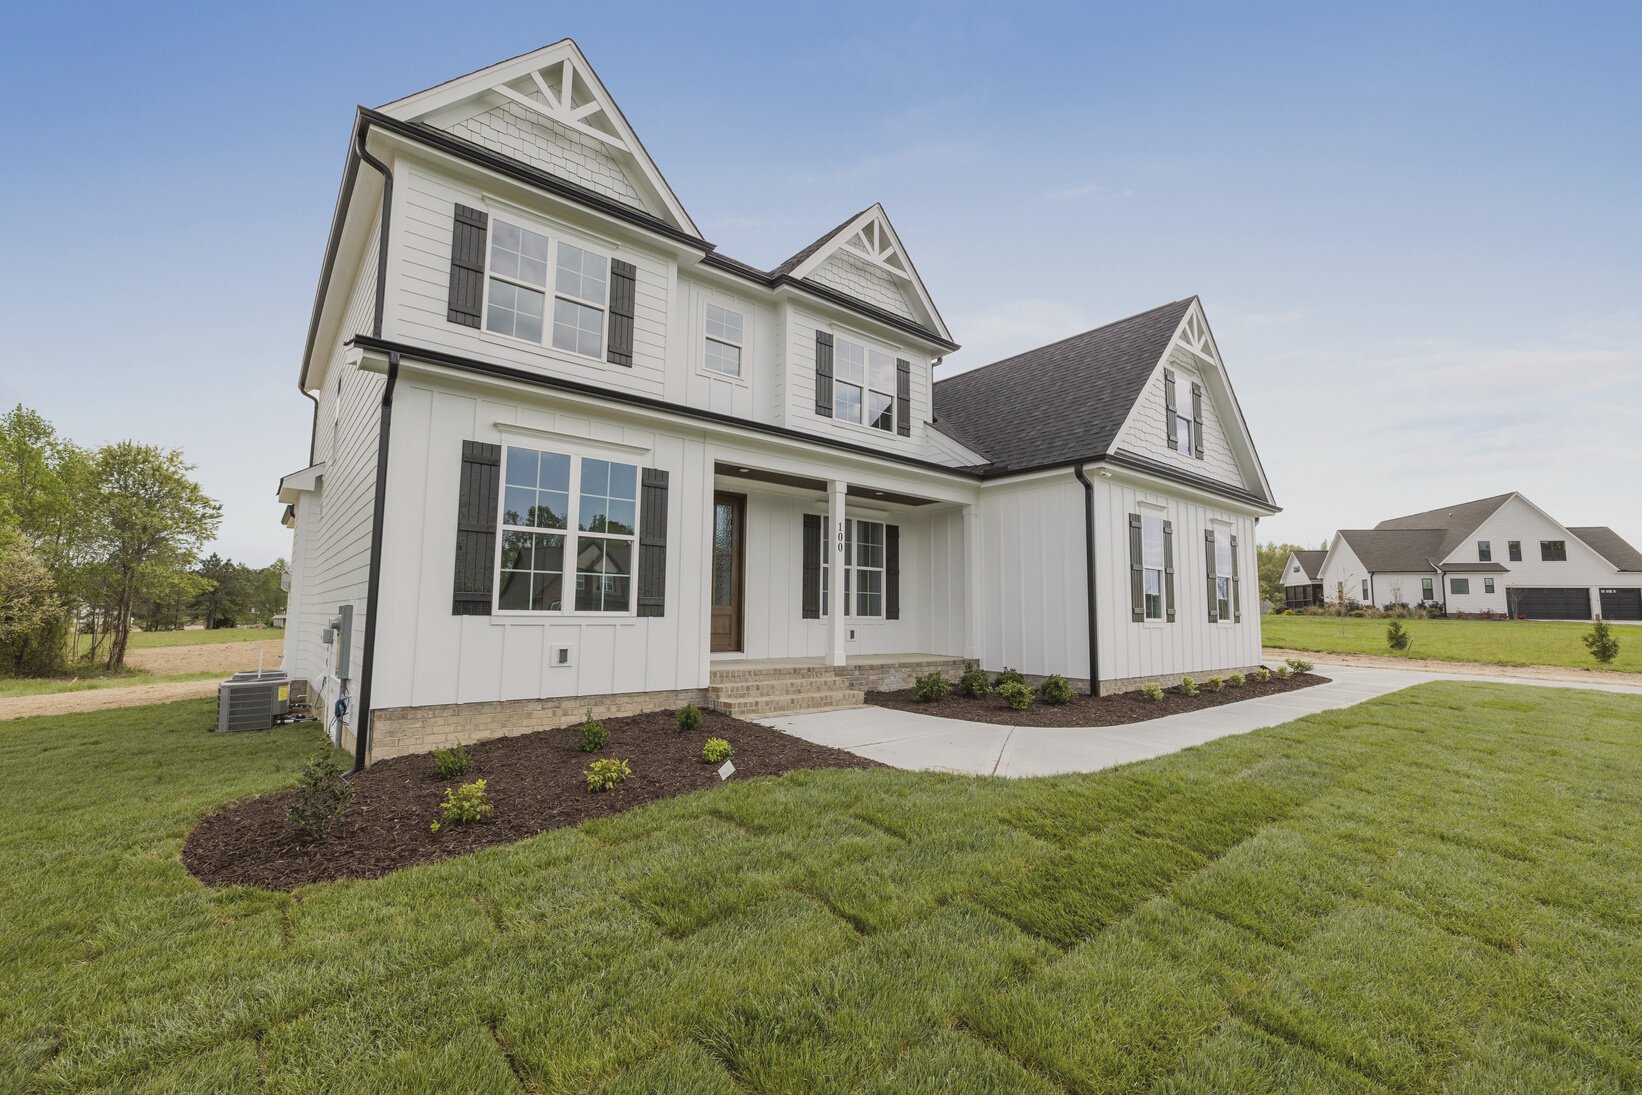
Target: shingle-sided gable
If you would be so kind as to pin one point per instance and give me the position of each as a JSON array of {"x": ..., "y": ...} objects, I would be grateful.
[
  {"x": 860, "y": 279},
  {"x": 1146, "y": 432},
  {"x": 863, "y": 258},
  {"x": 542, "y": 142}
]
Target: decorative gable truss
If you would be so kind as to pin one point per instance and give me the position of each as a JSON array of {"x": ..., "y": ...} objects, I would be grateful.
[
  {"x": 549, "y": 109},
  {"x": 1189, "y": 398},
  {"x": 864, "y": 259}
]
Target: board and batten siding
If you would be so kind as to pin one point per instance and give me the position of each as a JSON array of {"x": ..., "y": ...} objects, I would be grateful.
[
  {"x": 1146, "y": 433},
  {"x": 426, "y": 655},
  {"x": 691, "y": 383},
  {"x": 1032, "y": 613}
]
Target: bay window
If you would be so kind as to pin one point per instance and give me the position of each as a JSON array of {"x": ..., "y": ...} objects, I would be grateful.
[{"x": 546, "y": 524}]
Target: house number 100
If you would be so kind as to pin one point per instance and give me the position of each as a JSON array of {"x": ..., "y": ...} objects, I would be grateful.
[{"x": 840, "y": 545}]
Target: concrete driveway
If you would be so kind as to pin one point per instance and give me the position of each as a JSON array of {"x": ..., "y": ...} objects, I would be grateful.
[{"x": 926, "y": 743}]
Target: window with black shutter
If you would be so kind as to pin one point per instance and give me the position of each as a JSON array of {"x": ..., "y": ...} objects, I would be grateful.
[
  {"x": 652, "y": 594},
  {"x": 1171, "y": 420},
  {"x": 892, "y": 572},
  {"x": 1197, "y": 420},
  {"x": 823, "y": 375},
  {"x": 623, "y": 296},
  {"x": 467, "y": 266},
  {"x": 1211, "y": 574},
  {"x": 811, "y": 599},
  {"x": 903, "y": 397},
  {"x": 1137, "y": 570}
]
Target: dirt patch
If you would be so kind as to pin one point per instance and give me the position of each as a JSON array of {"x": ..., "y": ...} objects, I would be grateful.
[
  {"x": 1565, "y": 673},
  {"x": 1118, "y": 710},
  {"x": 534, "y": 780},
  {"x": 101, "y": 699},
  {"x": 224, "y": 658}
]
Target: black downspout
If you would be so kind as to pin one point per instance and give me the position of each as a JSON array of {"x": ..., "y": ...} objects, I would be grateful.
[
  {"x": 1089, "y": 576},
  {"x": 373, "y": 583}
]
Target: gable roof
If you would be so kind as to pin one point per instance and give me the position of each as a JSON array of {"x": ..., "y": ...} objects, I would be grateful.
[
  {"x": 1456, "y": 523},
  {"x": 1311, "y": 562},
  {"x": 804, "y": 253},
  {"x": 1395, "y": 551},
  {"x": 1015, "y": 410},
  {"x": 1610, "y": 545}
]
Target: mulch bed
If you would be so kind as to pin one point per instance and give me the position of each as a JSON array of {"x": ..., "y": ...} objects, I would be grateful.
[
  {"x": 534, "y": 780},
  {"x": 1117, "y": 710}
]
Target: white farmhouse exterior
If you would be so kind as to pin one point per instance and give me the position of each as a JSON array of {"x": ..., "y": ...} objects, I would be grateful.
[
  {"x": 1302, "y": 584},
  {"x": 1501, "y": 555},
  {"x": 566, "y": 456}
]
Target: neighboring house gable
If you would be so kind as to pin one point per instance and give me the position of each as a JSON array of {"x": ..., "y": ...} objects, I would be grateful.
[
  {"x": 1303, "y": 567},
  {"x": 1611, "y": 546}
]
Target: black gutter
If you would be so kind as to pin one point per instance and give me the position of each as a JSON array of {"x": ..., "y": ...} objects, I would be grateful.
[
  {"x": 373, "y": 578},
  {"x": 1089, "y": 578}
]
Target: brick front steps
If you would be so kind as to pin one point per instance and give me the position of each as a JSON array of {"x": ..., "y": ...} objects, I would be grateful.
[{"x": 789, "y": 687}]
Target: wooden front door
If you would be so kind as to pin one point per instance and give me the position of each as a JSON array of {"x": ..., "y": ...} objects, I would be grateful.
[{"x": 729, "y": 539}]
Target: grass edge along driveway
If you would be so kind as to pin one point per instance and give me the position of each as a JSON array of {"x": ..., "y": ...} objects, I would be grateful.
[
  {"x": 1439, "y": 889},
  {"x": 1491, "y": 642}
]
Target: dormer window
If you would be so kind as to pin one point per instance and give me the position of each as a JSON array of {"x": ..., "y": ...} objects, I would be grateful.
[
  {"x": 724, "y": 340},
  {"x": 863, "y": 385}
]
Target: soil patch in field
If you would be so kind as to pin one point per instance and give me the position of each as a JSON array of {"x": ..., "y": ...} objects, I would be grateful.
[
  {"x": 1116, "y": 710},
  {"x": 534, "y": 780},
  {"x": 224, "y": 658}
]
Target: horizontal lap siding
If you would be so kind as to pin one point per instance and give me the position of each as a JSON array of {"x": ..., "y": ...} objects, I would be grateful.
[{"x": 427, "y": 656}]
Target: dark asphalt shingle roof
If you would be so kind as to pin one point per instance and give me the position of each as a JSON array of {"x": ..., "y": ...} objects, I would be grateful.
[
  {"x": 1610, "y": 545},
  {"x": 797, "y": 260},
  {"x": 1311, "y": 562},
  {"x": 1395, "y": 551},
  {"x": 1061, "y": 403},
  {"x": 1475, "y": 568},
  {"x": 1456, "y": 523}
]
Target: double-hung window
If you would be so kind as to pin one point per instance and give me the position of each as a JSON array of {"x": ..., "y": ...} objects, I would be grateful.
[
  {"x": 1553, "y": 551},
  {"x": 1488, "y": 585},
  {"x": 1365, "y": 590},
  {"x": 1151, "y": 561},
  {"x": 1223, "y": 576},
  {"x": 1426, "y": 591},
  {"x": 1184, "y": 416},
  {"x": 517, "y": 290},
  {"x": 863, "y": 387},
  {"x": 1485, "y": 551},
  {"x": 1513, "y": 548},
  {"x": 565, "y": 518},
  {"x": 863, "y": 570},
  {"x": 724, "y": 340}
]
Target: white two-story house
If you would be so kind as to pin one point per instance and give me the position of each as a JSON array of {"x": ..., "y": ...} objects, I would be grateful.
[
  {"x": 1501, "y": 555},
  {"x": 566, "y": 456}
]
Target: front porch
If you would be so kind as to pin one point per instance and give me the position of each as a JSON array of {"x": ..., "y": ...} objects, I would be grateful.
[{"x": 767, "y": 687}]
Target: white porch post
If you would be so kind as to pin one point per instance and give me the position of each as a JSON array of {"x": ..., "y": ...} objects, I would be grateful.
[
  {"x": 972, "y": 581},
  {"x": 835, "y": 594}
]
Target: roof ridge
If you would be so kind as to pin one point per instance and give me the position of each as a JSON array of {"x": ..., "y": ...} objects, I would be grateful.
[
  {"x": 796, "y": 259},
  {"x": 1050, "y": 345}
]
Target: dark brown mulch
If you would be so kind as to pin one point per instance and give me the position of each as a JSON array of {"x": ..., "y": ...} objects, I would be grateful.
[
  {"x": 534, "y": 780},
  {"x": 1125, "y": 707}
]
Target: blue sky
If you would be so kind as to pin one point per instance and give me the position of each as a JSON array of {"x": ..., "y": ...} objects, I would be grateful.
[{"x": 1417, "y": 230}]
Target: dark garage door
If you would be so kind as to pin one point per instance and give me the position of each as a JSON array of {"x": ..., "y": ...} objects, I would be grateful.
[
  {"x": 1550, "y": 604},
  {"x": 1622, "y": 604}
]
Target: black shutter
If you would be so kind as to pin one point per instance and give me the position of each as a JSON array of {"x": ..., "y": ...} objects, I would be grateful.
[
  {"x": 1208, "y": 558},
  {"x": 467, "y": 266},
  {"x": 1237, "y": 593},
  {"x": 623, "y": 294},
  {"x": 823, "y": 374},
  {"x": 903, "y": 397},
  {"x": 1197, "y": 420},
  {"x": 1169, "y": 404},
  {"x": 1168, "y": 567},
  {"x": 652, "y": 593},
  {"x": 892, "y": 572},
  {"x": 812, "y": 566},
  {"x": 1137, "y": 570},
  {"x": 476, "y": 516}
]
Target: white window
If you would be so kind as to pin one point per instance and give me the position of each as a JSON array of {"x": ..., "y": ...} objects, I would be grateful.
[
  {"x": 1183, "y": 421},
  {"x": 1151, "y": 559},
  {"x": 1365, "y": 589},
  {"x": 516, "y": 290},
  {"x": 724, "y": 340},
  {"x": 863, "y": 385},
  {"x": 547, "y": 526},
  {"x": 1222, "y": 575},
  {"x": 863, "y": 570}
]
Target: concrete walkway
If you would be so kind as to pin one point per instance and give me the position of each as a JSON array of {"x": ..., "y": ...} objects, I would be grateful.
[{"x": 927, "y": 743}]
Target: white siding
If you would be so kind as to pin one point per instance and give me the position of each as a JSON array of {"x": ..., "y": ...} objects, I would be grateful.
[
  {"x": 1146, "y": 433},
  {"x": 799, "y": 390},
  {"x": 1517, "y": 520},
  {"x": 860, "y": 279},
  {"x": 1033, "y": 614}
]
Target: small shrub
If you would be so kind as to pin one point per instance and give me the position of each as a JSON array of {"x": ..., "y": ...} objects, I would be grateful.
[
  {"x": 1300, "y": 666},
  {"x": 465, "y": 804},
  {"x": 1235, "y": 680},
  {"x": 1152, "y": 691},
  {"x": 716, "y": 751},
  {"x": 974, "y": 683},
  {"x": 1188, "y": 686},
  {"x": 1260, "y": 675},
  {"x": 452, "y": 762},
  {"x": 1397, "y": 636},
  {"x": 1008, "y": 676},
  {"x": 1055, "y": 689},
  {"x": 1282, "y": 672},
  {"x": 321, "y": 796},
  {"x": 1017, "y": 694},
  {"x": 930, "y": 687},
  {"x": 1601, "y": 642},
  {"x": 594, "y": 735},
  {"x": 688, "y": 718},
  {"x": 1215, "y": 684},
  {"x": 606, "y": 772}
]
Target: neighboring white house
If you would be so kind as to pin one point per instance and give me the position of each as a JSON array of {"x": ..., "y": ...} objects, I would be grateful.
[
  {"x": 1501, "y": 555},
  {"x": 566, "y": 456},
  {"x": 1302, "y": 584}
]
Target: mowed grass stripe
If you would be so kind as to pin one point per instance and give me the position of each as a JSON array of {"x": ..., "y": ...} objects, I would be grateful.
[{"x": 1437, "y": 889}]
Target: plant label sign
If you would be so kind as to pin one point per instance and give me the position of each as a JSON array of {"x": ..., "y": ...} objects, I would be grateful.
[{"x": 726, "y": 770}]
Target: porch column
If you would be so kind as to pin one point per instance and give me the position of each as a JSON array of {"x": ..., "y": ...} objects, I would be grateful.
[
  {"x": 972, "y": 581},
  {"x": 835, "y": 594}
]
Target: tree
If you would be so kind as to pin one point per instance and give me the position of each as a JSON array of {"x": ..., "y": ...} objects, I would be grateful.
[
  {"x": 147, "y": 520},
  {"x": 267, "y": 596},
  {"x": 225, "y": 591},
  {"x": 1269, "y": 560},
  {"x": 31, "y": 616},
  {"x": 1601, "y": 643}
]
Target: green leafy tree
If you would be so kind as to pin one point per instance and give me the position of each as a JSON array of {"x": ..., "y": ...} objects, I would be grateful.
[
  {"x": 266, "y": 594},
  {"x": 1269, "y": 559},
  {"x": 31, "y": 616}
]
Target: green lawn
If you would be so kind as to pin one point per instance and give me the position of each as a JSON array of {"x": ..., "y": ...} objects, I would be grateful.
[
  {"x": 1440, "y": 890},
  {"x": 45, "y": 686},
  {"x": 143, "y": 640},
  {"x": 1500, "y": 642}
]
